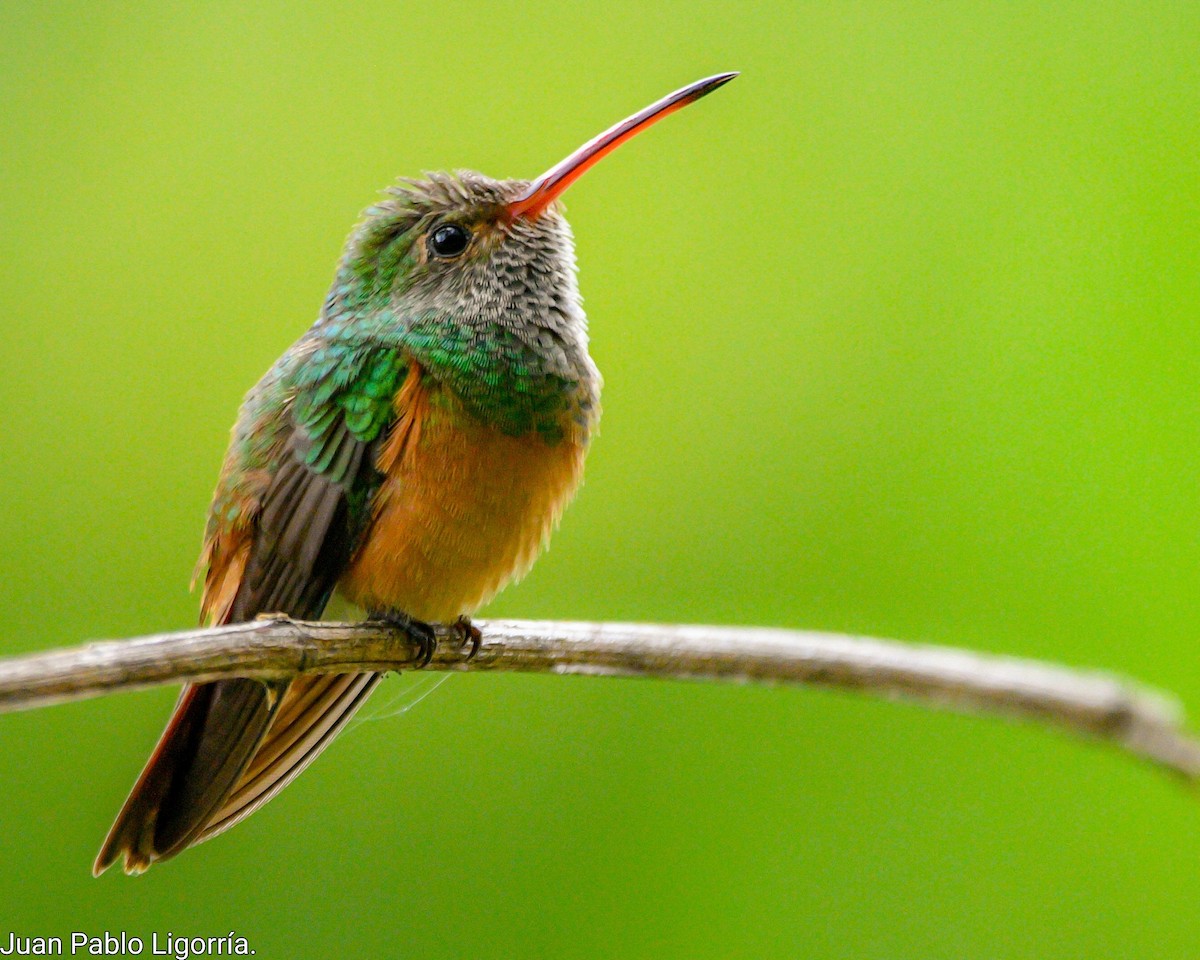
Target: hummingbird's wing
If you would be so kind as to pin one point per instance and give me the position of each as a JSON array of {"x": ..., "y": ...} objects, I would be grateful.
[{"x": 291, "y": 504}]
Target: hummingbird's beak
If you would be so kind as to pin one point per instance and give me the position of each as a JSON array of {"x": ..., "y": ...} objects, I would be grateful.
[{"x": 550, "y": 185}]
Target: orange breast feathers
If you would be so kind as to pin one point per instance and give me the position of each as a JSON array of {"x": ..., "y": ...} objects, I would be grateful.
[{"x": 463, "y": 509}]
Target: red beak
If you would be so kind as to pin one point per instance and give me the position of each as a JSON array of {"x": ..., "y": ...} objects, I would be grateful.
[{"x": 550, "y": 185}]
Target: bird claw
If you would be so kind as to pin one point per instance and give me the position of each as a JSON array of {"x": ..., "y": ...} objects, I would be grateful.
[
  {"x": 418, "y": 631},
  {"x": 468, "y": 633}
]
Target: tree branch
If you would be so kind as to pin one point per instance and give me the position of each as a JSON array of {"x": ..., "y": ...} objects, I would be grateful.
[{"x": 1143, "y": 722}]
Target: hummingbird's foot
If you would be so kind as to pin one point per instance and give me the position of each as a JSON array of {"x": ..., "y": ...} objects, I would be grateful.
[
  {"x": 418, "y": 631},
  {"x": 468, "y": 633}
]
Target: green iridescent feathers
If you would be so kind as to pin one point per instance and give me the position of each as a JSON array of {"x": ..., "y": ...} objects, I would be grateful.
[
  {"x": 345, "y": 385},
  {"x": 495, "y": 374},
  {"x": 335, "y": 396}
]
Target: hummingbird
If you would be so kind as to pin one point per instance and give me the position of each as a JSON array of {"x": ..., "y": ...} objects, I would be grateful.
[{"x": 412, "y": 451}]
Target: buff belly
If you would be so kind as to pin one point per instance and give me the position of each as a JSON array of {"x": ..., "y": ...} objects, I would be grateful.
[{"x": 463, "y": 510}]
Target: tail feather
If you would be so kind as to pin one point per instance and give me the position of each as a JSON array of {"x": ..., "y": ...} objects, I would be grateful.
[
  {"x": 229, "y": 748},
  {"x": 211, "y": 737},
  {"x": 293, "y": 743}
]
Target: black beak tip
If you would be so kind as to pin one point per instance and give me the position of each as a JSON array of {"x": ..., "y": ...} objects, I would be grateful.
[{"x": 715, "y": 82}]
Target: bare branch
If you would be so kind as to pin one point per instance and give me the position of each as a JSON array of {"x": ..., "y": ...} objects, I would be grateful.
[{"x": 1143, "y": 722}]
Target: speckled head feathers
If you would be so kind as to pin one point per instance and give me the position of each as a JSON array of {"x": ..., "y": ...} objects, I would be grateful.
[
  {"x": 486, "y": 303},
  {"x": 475, "y": 278}
]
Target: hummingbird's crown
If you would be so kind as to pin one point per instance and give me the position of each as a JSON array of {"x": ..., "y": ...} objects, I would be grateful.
[{"x": 462, "y": 188}]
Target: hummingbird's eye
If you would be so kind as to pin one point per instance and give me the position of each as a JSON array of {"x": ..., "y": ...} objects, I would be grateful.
[{"x": 448, "y": 240}]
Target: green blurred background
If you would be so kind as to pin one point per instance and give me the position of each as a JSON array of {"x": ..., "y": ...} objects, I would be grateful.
[{"x": 900, "y": 338}]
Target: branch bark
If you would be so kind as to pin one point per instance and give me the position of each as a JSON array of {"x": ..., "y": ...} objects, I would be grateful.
[{"x": 1141, "y": 721}]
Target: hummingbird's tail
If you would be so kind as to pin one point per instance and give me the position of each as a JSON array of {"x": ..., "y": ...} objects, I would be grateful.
[{"x": 229, "y": 747}]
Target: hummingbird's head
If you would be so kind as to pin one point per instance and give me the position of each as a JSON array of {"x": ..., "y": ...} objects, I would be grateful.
[
  {"x": 448, "y": 249},
  {"x": 494, "y": 251},
  {"x": 475, "y": 277}
]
